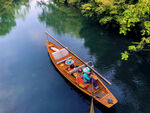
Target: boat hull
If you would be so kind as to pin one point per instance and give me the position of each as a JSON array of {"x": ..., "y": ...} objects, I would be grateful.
[{"x": 102, "y": 96}]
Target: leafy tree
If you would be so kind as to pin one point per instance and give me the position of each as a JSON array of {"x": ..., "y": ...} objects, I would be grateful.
[{"x": 128, "y": 15}]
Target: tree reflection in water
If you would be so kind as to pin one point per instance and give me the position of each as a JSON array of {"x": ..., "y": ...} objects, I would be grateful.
[
  {"x": 9, "y": 10},
  {"x": 130, "y": 78}
]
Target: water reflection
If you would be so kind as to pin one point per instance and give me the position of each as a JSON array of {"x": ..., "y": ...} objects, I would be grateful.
[
  {"x": 68, "y": 20},
  {"x": 29, "y": 82},
  {"x": 9, "y": 10},
  {"x": 130, "y": 79},
  {"x": 62, "y": 19}
]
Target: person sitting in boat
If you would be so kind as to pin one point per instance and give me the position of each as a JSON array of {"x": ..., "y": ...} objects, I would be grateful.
[
  {"x": 77, "y": 73},
  {"x": 88, "y": 79},
  {"x": 79, "y": 76},
  {"x": 80, "y": 72},
  {"x": 71, "y": 67}
]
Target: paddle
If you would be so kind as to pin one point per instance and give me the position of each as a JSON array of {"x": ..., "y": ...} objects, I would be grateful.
[
  {"x": 80, "y": 59},
  {"x": 92, "y": 106}
]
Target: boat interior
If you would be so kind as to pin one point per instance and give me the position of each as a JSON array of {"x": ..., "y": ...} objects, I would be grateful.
[{"x": 64, "y": 59}]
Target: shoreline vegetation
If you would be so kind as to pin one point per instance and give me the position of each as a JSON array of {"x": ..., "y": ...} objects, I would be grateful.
[{"x": 131, "y": 16}]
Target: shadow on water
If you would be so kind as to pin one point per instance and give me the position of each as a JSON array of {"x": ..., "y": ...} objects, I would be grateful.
[
  {"x": 85, "y": 98},
  {"x": 132, "y": 77},
  {"x": 9, "y": 11}
]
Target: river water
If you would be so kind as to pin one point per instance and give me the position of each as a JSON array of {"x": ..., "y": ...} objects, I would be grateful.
[{"x": 29, "y": 83}]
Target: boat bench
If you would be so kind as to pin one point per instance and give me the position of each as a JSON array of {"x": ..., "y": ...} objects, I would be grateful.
[
  {"x": 76, "y": 69},
  {"x": 83, "y": 85},
  {"x": 63, "y": 60}
]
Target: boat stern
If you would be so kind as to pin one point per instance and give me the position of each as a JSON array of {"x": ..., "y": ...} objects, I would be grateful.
[{"x": 108, "y": 100}]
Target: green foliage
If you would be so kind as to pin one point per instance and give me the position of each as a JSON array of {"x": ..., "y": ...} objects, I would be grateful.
[
  {"x": 72, "y": 1},
  {"x": 62, "y": 1},
  {"x": 105, "y": 20},
  {"x": 104, "y": 10},
  {"x": 146, "y": 30},
  {"x": 125, "y": 55},
  {"x": 8, "y": 11},
  {"x": 134, "y": 14},
  {"x": 143, "y": 45},
  {"x": 87, "y": 10},
  {"x": 127, "y": 14},
  {"x": 61, "y": 18},
  {"x": 132, "y": 48}
]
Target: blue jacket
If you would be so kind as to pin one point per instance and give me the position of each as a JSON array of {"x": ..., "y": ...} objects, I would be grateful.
[{"x": 86, "y": 78}]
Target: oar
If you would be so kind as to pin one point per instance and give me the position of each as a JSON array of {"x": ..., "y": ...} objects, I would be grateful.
[
  {"x": 80, "y": 59},
  {"x": 92, "y": 106}
]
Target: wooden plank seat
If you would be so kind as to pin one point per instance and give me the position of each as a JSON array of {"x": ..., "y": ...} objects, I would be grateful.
[
  {"x": 76, "y": 69},
  {"x": 63, "y": 60}
]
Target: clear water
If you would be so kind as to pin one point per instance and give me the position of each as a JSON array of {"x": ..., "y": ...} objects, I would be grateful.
[{"x": 29, "y": 83}]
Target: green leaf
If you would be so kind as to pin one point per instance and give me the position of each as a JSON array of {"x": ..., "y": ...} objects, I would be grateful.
[
  {"x": 125, "y": 55},
  {"x": 132, "y": 48}
]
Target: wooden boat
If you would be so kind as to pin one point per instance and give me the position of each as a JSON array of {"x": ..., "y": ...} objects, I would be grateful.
[{"x": 59, "y": 56}]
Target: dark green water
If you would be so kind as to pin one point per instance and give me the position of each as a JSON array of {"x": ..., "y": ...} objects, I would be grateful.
[{"x": 29, "y": 83}]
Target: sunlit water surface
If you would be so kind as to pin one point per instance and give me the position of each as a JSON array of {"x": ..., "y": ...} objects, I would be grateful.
[{"x": 29, "y": 83}]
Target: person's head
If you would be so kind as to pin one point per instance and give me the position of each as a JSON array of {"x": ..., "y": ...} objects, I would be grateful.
[
  {"x": 86, "y": 70},
  {"x": 89, "y": 72},
  {"x": 80, "y": 70},
  {"x": 71, "y": 66}
]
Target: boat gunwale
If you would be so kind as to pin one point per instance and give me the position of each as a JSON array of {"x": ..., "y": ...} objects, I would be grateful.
[{"x": 74, "y": 83}]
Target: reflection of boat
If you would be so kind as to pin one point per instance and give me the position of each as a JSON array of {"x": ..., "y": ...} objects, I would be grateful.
[{"x": 59, "y": 56}]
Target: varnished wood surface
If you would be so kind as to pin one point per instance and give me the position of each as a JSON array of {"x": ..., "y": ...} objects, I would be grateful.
[{"x": 101, "y": 95}]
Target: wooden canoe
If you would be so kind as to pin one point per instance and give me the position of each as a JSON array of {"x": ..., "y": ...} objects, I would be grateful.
[{"x": 102, "y": 95}]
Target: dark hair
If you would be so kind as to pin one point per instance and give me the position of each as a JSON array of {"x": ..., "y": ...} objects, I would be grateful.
[
  {"x": 71, "y": 66},
  {"x": 80, "y": 70}
]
